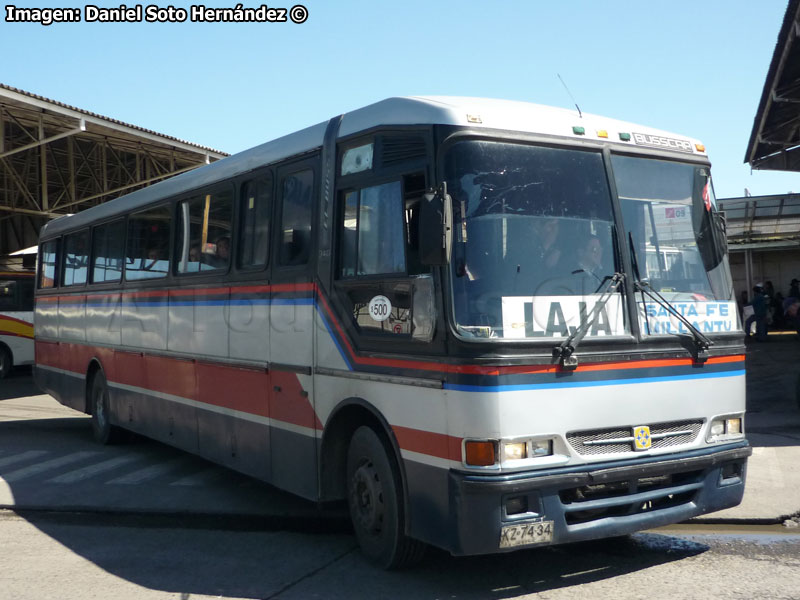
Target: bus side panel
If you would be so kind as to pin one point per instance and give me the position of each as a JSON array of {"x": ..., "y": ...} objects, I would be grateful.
[
  {"x": 46, "y": 317},
  {"x": 176, "y": 422},
  {"x": 293, "y": 436},
  {"x": 144, "y": 321},
  {"x": 72, "y": 318},
  {"x": 249, "y": 330},
  {"x": 233, "y": 420},
  {"x": 198, "y": 322},
  {"x": 103, "y": 319},
  {"x": 291, "y": 403}
]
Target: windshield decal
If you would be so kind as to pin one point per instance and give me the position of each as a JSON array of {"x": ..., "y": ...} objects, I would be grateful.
[
  {"x": 707, "y": 317},
  {"x": 558, "y": 316}
]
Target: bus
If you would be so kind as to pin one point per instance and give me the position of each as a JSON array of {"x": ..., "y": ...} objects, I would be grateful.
[
  {"x": 436, "y": 309},
  {"x": 17, "y": 273}
]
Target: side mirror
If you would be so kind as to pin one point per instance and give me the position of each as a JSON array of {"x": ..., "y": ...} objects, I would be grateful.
[{"x": 436, "y": 227}]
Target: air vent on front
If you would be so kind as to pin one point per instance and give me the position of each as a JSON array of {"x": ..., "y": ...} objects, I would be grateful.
[{"x": 402, "y": 148}]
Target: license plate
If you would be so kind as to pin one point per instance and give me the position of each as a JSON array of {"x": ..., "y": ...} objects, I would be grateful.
[{"x": 526, "y": 533}]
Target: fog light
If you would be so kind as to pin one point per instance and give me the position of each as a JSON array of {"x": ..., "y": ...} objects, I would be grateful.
[
  {"x": 541, "y": 447},
  {"x": 515, "y": 451},
  {"x": 479, "y": 454},
  {"x": 516, "y": 505},
  {"x": 733, "y": 426}
]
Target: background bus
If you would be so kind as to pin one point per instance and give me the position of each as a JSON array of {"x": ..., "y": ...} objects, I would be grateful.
[
  {"x": 17, "y": 272},
  {"x": 433, "y": 308}
]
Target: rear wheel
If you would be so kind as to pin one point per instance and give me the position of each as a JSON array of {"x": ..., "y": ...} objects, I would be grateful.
[
  {"x": 376, "y": 505},
  {"x": 104, "y": 432},
  {"x": 6, "y": 361}
]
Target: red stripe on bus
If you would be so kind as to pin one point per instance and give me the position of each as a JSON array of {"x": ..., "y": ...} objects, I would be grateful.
[
  {"x": 234, "y": 388},
  {"x": 439, "y": 445}
]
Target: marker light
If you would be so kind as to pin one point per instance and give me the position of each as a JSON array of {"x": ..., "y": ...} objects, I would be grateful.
[
  {"x": 625, "y": 137},
  {"x": 602, "y": 133},
  {"x": 474, "y": 119},
  {"x": 578, "y": 130},
  {"x": 479, "y": 453},
  {"x": 700, "y": 147}
]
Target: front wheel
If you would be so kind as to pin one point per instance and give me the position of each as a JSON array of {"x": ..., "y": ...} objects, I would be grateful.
[
  {"x": 376, "y": 505},
  {"x": 6, "y": 362},
  {"x": 102, "y": 429}
]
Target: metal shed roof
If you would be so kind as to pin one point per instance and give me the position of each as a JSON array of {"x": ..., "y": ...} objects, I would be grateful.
[{"x": 775, "y": 139}]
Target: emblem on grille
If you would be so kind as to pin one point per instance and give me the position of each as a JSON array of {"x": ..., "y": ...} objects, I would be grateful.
[{"x": 641, "y": 437}]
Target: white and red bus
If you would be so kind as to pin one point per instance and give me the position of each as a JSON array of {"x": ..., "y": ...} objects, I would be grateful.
[
  {"x": 437, "y": 308},
  {"x": 17, "y": 274}
]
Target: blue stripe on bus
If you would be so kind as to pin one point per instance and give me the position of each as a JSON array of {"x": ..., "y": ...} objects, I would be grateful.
[{"x": 574, "y": 384}]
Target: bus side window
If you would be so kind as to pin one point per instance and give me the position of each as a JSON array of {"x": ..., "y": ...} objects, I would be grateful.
[
  {"x": 256, "y": 202},
  {"x": 8, "y": 295},
  {"x": 48, "y": 265},
  {"x": 203, "y": 240},
  {"x": 108, "y": 248},
  {"x": 147, "y": 250},
  {"x": 76, "y": 258},
  {"x": 295, "y": 244}
]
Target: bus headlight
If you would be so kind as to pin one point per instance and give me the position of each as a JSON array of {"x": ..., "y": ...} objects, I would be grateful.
[
  {"x": 725, "y": 428},
  {"x": 522, "y": 449}
]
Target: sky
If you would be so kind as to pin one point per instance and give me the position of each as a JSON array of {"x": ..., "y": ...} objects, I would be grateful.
[{"x": 695, "y": 68}]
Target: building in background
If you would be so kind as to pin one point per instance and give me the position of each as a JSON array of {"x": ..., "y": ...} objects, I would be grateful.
[{"x": 56, "y": 159}]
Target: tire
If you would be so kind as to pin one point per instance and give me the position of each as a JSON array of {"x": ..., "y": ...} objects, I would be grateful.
[
  {"x": 376, "y": 504},
  {"x": 6, "y": 362},
  {"x": 102, "y": 429}
]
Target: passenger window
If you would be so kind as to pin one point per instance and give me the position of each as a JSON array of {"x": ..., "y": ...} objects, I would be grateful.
[
  {"x": 203, "y": 240},
  {"x": 8, "y": 295},
  {"x": 147, "y": 249},
  {"x": 295, "y": 233},
  {"x": 108, "y": 249},
  {"x": 373, "y": 238},
  {"x": 48, "y": 262},
  {"x": 76, "y": 258},
  {"x": 255, "y": 208}
]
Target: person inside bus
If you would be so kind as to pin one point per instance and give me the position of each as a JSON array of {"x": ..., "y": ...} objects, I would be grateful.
[
  {"x": 590, "y": 258},
  {"x": 219, "y": 260}
]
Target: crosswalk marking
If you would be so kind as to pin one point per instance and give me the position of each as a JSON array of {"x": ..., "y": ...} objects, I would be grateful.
[
  {"x": 150, "y": 472},
  {"x": 41, "y": 467},
  {"x": 95, "y": 469},
  {"x": 15, "y": 458}
]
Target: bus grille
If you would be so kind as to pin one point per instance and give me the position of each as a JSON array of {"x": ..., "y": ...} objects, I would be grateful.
[
  {"x": 607, "y": 441},
  {"x": 629, "y": 496}
]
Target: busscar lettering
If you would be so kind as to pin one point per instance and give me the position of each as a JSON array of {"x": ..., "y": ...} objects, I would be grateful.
[
  {"x": 659, "y": 141},
  {"x": 43, "y": 16}
]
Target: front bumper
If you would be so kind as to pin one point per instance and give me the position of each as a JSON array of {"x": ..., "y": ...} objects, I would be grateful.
[{"x": 598, "y": 500}]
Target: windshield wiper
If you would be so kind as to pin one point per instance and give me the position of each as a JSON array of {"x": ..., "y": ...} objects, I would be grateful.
[
  {"x": 564, "y": 351},
  {"x": 701, "y": 342}
]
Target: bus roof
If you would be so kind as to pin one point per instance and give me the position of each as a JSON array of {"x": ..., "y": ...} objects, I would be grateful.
[{"x": 415, "y": 110}]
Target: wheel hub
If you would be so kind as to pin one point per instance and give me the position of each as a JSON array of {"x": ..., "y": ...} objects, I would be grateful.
[{"x": 367, "y": 497}]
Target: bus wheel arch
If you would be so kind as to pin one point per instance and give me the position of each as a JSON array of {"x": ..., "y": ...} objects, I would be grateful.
[
  {"x": 360, "y": 460},
  {"x": 6, "y": 360},
  {"x": 97, "y": 405},
  {"x": 349, "y": 415}
]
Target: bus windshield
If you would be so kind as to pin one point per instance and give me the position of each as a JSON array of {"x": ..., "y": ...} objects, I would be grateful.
[
  {"x": 667, "y": 208},
  {"x": 533, "y": 240}
]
